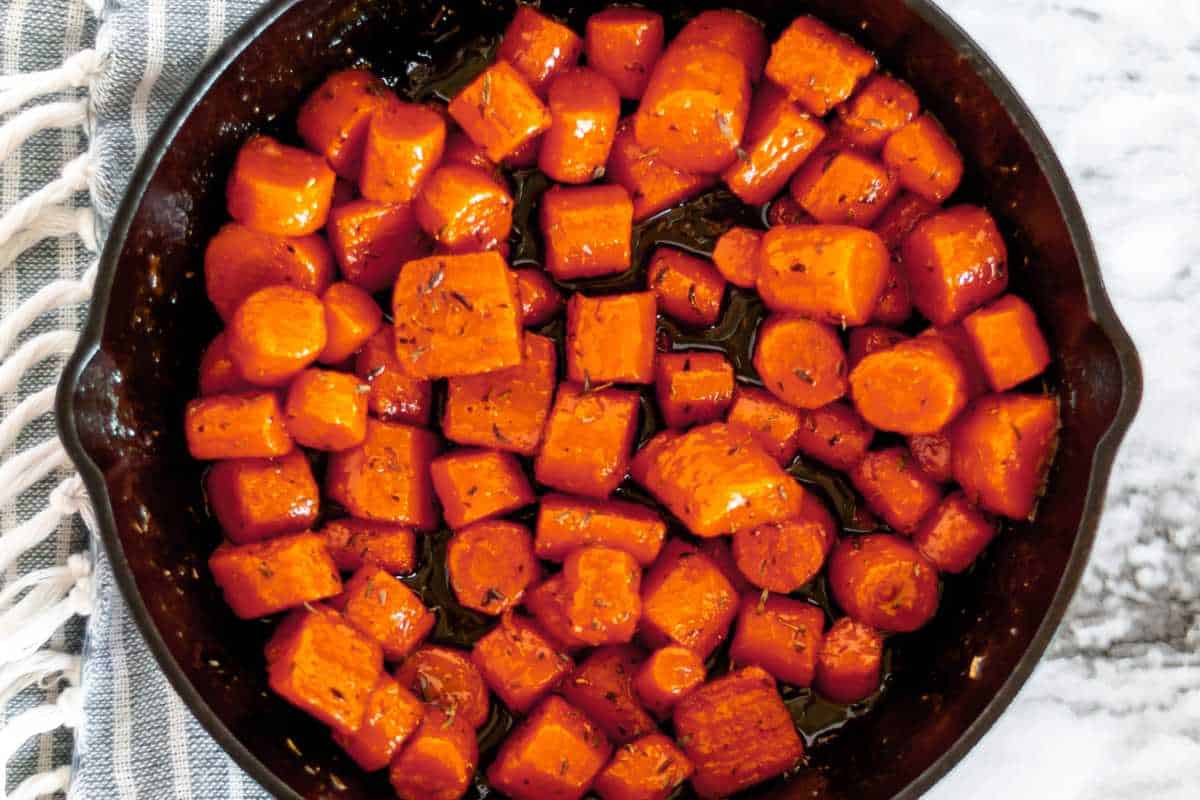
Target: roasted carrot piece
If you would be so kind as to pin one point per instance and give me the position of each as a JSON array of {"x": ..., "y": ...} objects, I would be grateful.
[
  {"x": 257, "y": 498},
  {"x": 895, "y": 302},
  {"x": 218, "y": 373},
  {"x": 916, "y": 386},
  {"x": 264, "y": 578},
  {"x": 518, "y": 662},
  {"x": 871, "y": 339},
  {"x": 686, "y": 600},
  {"x": 611, "y": 338},
  {"x": 786, "y": 211},
  {"x": 775, "y": 425},
  {"x": 833, "y": 273},
  {"x": 842, "y": 187},
  {"x": 540, "y": 299},
  {"x": 954, "y": 534},
  {"x": 446, "y": 679},
  {"x": 567, "y": 523},
  {"x": 333, "y": 120},
  {"x": 1002, "y": 448},
  {"x": 800, "y": 361},
  {"x": 688, "y": 289},
  {"x": 438, "y": 762},
  {"x": 600, "y": 594},
  {"x": 457, "y": 315},
  {"x": 351, "y": 318},
  {"x": 850, "y": 664},
  {"x": 553, "y": 755},
  {"x": 392, "y": 716},
  {"x": 539, "y": 47},
  {"x": 602, "y": 688},
  {"x": 586, "y": 445},
  {"x": 783, "y": 556},
  {"x": 236, "y": 426},
  {"x": 650, "y": 768},
  {"x": 818, "y": 66},
  {"x": 720, "y": 553},
  {"x": 527, "y": 154},
  {"x": 693, "y": 388},
  {"x": 473, "y": 485},
  {"x": 729, "y": 30},
  {"x": 835, "y": 435},
  {"x": 278, "y": 189},
  {"x": 240, "y": 260},
  {"x": 546, "y": 603},
  {"x": 925, "y": 159},
  {"x": 931, "y": 454},
  {"x": 900, "y": 217},
  {"x": 491, "y": 564},
  {"x": 395, "y": 395},
  {"x": 386, "y": 610},
  {"x": 895, "y": 489},
  {"x": 275, "y": 333},
  {"x": 880, "y": 107},
  {"x": 737, "y": 732},
  {"x": 779, "y": 634},
  {"x": 667, "y": 676},
  {"x": 1007, "y": 341},
  {"x": 372, "y": 241},
  {"x": 461, "y": 150},
  {"x": 404, "y": 144},
  {"x": 645, "y": 460},
  {"x": 587, "y": 230},
  {"x": 505, "y": 409},
  {"x": 955, "y": 337},
  {"x": 623, "y": 44},
  {"x": 955, "y": 261},
  {"x": 881, "y": 580},
  {"x": 779, "y": 138},
  {"x": 652, "y": 183},
  {"x": 736, "y": 255},
  {"x": 355, "y": 542},
  {"x": 584, "y": 108},
  {"x": 694, "y": 108},
  {"x": 327, "y": 410},
  {"x": 464, "y": 209},
  {"x": 386, "y": 478},
  {"x": 500, "y": 112}
]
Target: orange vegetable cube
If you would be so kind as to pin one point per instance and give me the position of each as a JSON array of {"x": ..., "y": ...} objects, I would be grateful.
[
  {"x": 518, "y": 662},
  {"x": 1008, "y": 342},
  {"x": 900, "y": 217},
  {"x": 881, "y": 106},
  {"x": 736, "y": 256},
  {"x": 355, "y": 542},
  {"x": 464, "y": 209},
  {"x": 729, "y": 30},
  {"x": 687, "y": 288},
  {"x": 652, "y": 183},
  {"x": 835, "y": 435},
  {"x": 438, "y": 762},
  {"x": 403, "y": 145},
  {"x": 955, "y": 261},
  {"x": 588, "y": 437},
  {"x": 779, "y": 138},
  {"x": 931, "y": 453},
  {"x": 783, "y": 556},
  {"x": 611, "y": 338},
  {"x": 584, "y": 108},
  {"x": 895, "y": 489},
  {"x": 540, "y": 299},
  {"x": 491, "y": 564},
  {"x": 278, "y": 189},
  {"x": 539, "y": 47},
  {"x": 602, "y": 688},
  {"x": 842, "y": 187},
  {"x": 392, "y": 716},
  {"x": 257, "y": 498},
  {"x": 721, "y": 554},
  {"x": 925, "y": 159},
  {"x": 686, "y": 600},
  {"x": 236, "y": 426},
  {"x": 386, "y": 610},
  {"x": 850, "y": 664},
  {"x": 916, "y": 386},
  {"x": 218, "y": 373},
  {"x": 499, "y": 111},
  {"x": 779, "y": 634},
  {"x": 239, "y": 261},
  {"x": 351, "y": 318},
  {"x": 693, "y": 387},
  {"x": 623, "y": 44},
  {"x": 264, "y": 578},
  {"x": 775, "y": 425},
  {"x": 667, "y": 676},
  {"x": 395, "y": 395},
  {"x": 553, "y": 755},
  {"x": 386, "y": 478},
  {"x": 546, "y": 604},
  {"x": 600, "y": 594},
  {"x": 587, "y": 230},
  {"x": 567, "y": 523},
  {"x": 275, "y": 333},
  {"x": 955, "y": 337},
  {"x": 818, "y": 66},
  {"x": 651, "y": 768},
  {"x": 882, "y": 581},
  {"x": 372, "y": 241},
  {"x": 800, "y": 361},
  {"x": 871, "y": 339},
  {"x": 327, "y": 410},
  {"x": 333, "y": 120},
  {"x": 645, "y": 460},
  {"x": 954, "y": 534},
  {"x": 477, "y": 484},
  {"x": 446, "y": 679}
]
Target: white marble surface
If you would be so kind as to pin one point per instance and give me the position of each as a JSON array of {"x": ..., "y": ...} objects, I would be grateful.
[{"x": 1113, "y": 712}]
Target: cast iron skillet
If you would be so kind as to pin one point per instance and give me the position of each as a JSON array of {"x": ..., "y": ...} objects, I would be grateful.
[{"x": 122, "y": 395}]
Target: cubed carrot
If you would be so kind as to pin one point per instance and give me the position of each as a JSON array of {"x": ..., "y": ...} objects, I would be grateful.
[
  {"x": 445, "y": 678},
  {"x": 895, "y": 302},
  {"x": 729, "y": 30},
  {"x": 881, "y": 580},
  {"x": 895, "y": 489},
  {"x": 686, "y": 600},
  {"x": 800, "y": 361},
  {"x": 779, "y": 634},
  {"x": 461, "y": 150},
  {"x": 404, "y": 143},
  {"x": 835, "y": 435},
  {"x": 351, "y": 318},
  {"x": 931, "y": 454},
  {"x": 645, "y": 460},
  {"x": 546, "y": 603},
  {"x": 392, "y": 716},
  {"x": 505, "y": 409},
  {"x": 611, "y": 338},
  {"x": 518, "y": 662},
  {"x": 372, "y": 241},
  {"x": 735, "y": 255},
  {"x": 439, "y": 760},
  {"x": 880, "y": 107},
  {"x": 586, "y": 445},
  {"x": 783, "y": 556},
  {"x": 1007, "y": 341},
  {"x": 687, "y": 288},
  {"x": 539, "y": 47},
  {"x": 499, "y": 111},
  {"x": 602, "y": 688},
  {"x": 540, "y": 298},
  {"x": 278, "y": 189},
  {"x": 693, "y": 388},
  {"x": 386, "y": 610},
  {"x": 218, "y": 373},
  {"x": 1002, "y": 449},
  {"x": 554, "y": 754},
  {"x": 650, "y": 768},
  {"x": 779, "y": 138},
  {"x": 257, "y": 498},
  {"x": 900, "y": 217},
  {"x": 236, "y": 426},
  {"x": 395, "y": 395},
  {"x": 623, "y": 44},
  {"x": 333, "y": 120},
  {"x": 566, "y": 523},
  {"x": 954, "y": 534},
  {"x": 667, "y": 676},
  {"x": 842, "y": 187},
  {"x": 720, "y": 553},
  {"x": 775, "y": 425},
  {"x": 916, "y": 386},
  {"x": 386, "y": 478},
  {"x": 818, "y": 66},
  {"x": 457, "y": 315},
  {"x": 832, "y": 273},
  {"x": 275, "y": 333},
  {"x": 871, "y": 339},
  {"x": 327, "y": 410},
  {"x": 586, "y": 230},
  {"x": 473, "y": 485},
  {"x": 925, "y": 159},
  {"x": 955, "y": 337},
  {"x": 786, "y": 211},
  {"x": 464, "y": 209},
  {"x": 355, "y": 542},
  {"x": 652, "y": 183},
  {"x": 600, "y": 594},
  {"x": 491, "y": 564},
  {"x": 526, "y": 155},
  {"x": 955, "y": 261},
  {"x": 239, "y": 261},
  {"x": 264, "y": 578},
  {"x": 584, "y": 108},
  {"x": 850, "y": 664},
  {"x": 737, "y": 732}
]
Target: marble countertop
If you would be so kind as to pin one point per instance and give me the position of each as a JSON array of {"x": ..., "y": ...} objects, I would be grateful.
[{"x": 1113, "y": 711}]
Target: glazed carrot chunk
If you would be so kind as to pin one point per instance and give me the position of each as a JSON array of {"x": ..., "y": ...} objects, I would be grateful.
[
  {"x": 461, "y": 150},
  {"x": 850, "y": 663},
  {"x": 240, "y": 260},
  {"x": 404, "y": 143},
  {"x": 842, "y": 187},
  {"x": 835, "y": 435},
  {"x": 588, "y": 437},
  {"x": 546, "y": 603},
  {"x": 779, "y": 138},
  {"x": 275, "y": 333},
  {"x": 327, "y": 410},
  {"x": 737, "y": 732},
  {"x": 446, "y": 679},
  {"x": 586, "y": 230},
  {"x": 236, "y": 426},
  {"x": 567, "y": 523},
  {"x": 539, "y": 47},
  {"x": 264, "y": 578},
  {"x": 602, "y": 688},
  {"x": 687, "y": 288},
  {"x": 278, "y": 189},
  {"x": 600, "y": 594},
  {"x": 800, "y": 361},
  {"x": 736, "y": 256},
  {"x": 490, "y": 565},
  {"x": 783, "y": 556},
  {"x": 895, "y": 302},
  {"x": 372, "y": 241},
  {"x": 818, "y": 66},
  {"x": 1002, "y": 448},
  {"x": 464, "y": 209},
  {"x": 694, "y": 108},
  {"x": 386, "y": 478},
  {"x": 925, "y": 159},
  {"x": 333, "y": 120},
  {"x": 652, "y": 183},
  {"x": 916, "y": 386},
  {"x": 882, "y": 581},
  {"x": 351, "y": 318},
  {"x": 931, "y": 453},
  {"x": 477, "y": 484},
  {"x": 611, "y": 338},
  {"x": 955, "y": 261},
  {"x": 584, "y": 108},
  {"x": 554, "y": 755},
  {"x": 955, "y": 337},
  {"x": 645, "y": 460},
  {"x": 786, "y": 211},
  {"x": 895, "y": 489},
  {"x": 731, "y": 31},
  {"x": 650, "y": 768},
  {"x": 438, "y": 762},
  {"x": 526, "y": 155},
  {"x": 623, "y": 44},
  {"x": 386, "y": 610},
  {"x": 540, "y": 299},
  {"x": 721, "y": 554},
  {"x": 667, "y": 676},
  {"x": 500, "y": 112},
  {"x": 881, "y": 106},
  {"x": 775, "y": 425},
  {"x": 505, "y": 409},
  {"x": 871, "y": 339},
  {"x": 355, "y": 542},
  {"x": 518, "y": 662},
  {"x": 692, "y": 388},
  {"x": 395, "y": 395},
  {"x": 392, "y": 716},
  {"x": 954, "y": 534},
  {"x": 780, "y": 635},
  {"x": 900, "y": 217},
  {"x": 457, "y": 315},
  {"x": 218, "y": 373},
  {"x": 1008, "y": 342},
  {"x": 257, "y": 498},
  {"x": 686, "y": 600}
]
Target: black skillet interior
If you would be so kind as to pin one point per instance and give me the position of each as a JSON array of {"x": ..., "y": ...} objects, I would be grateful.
[{"x": 121, "y": 408}]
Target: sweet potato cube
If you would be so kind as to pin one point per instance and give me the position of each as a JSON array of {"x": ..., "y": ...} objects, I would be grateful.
[
  {"x": 554, "y": 755},
  {"x": 652, "y": 183},
  {"x": 686, "y": 600},
  {"x": 539, "y": 47},
  {"x": 916, "y": 386},
  {"x": 601, "y": 594},
  {"x": 257, "y": 498},
  {"x": 351, "y": 318},
  {"x": 775, "y": 425},
  {"x": 372, "y": 241},
  {"x": 355, "y": 542},
  {"x": 693, "y": 387},
  {"x": 666, "y": 677},
  {"x": 267, "y": 577},
  {"x": 735, "y": 255},
  {"x": 954, "y": 534},
  {"x": 239, "y": 261},
  {"x": 842, "y": 187},
  {"x": 491, "y": 564},
  {"x": 218, "y": 374},
  {"x": 386, "y": 478},
  {"x": 327, "y": 410},
  {"x": 779, "y": 634},
  {"x": 236, "y": 426},
  {"x": 477, "y": 484},
  {"x": 464, "y": 209},
  {"x": 895, "y": 489},
  {"x": 518, "y": 662},
  {"x": 687, "y": 288},
  {"x": 880, "y": 107},
  {"x": 1008, "y": 342},
  {"x": 835, "y": 435},
  {"x": 779, "y": 138},
  {"x": 403, "y": 145},
  {"x": 584, "y": 108},
  {"x": 278, "y": 189},
  {"x": 818, "y": 66},
  {"x": 392, "y": 716},
  {"x": 588, "y": 439},
  {"x": 955, "y": 261},
  {"x": 567, "y": 523},
  {"x": 540, "y": 299},
  {"x": 546, "y": 603},
  {"x": 438, "y": 762},
  {"x": 602, "y": 688},
  {"x": 783, "y": 556},
  {"x": 386, "y": 610},
  {"x": 457, "y": 315},
  {"x": 333, "y": 120},
  {"x": 611, "y": 338},
  {"x": 850, "y": 664},
  {"x": 587, "y": 230},
  {"x": 624, "y": 43},
  {"x": 445, "y": 678},
  {"x": 499, "y": 111},
  {"x": 651, "y": 768},
  {"x": 801, "y": 361},
  {"x": 925, "y": 159},
  {"x": 395, "y": 395}
]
